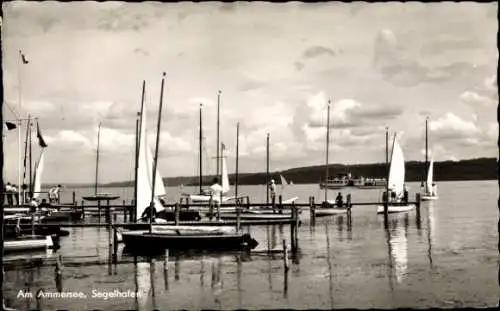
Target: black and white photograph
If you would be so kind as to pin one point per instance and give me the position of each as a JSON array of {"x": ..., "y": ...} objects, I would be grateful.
[{"x": 249, "y": 155}]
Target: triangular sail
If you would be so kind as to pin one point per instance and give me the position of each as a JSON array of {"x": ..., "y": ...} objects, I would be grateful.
[
  {"x": 37, "y": 186},
  {"x": 225, "y": 177},
  {"x": 144, "y": 174},
  {"x": 283, "y": 180},
  {"x": 397, "y": 169},
  {"x": 430, "y": 177}
]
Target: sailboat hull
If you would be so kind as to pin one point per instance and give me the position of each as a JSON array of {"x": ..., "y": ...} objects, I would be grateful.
[
  {"x": 27, "y": 243},
  {"x": 428, "y": 197},
  {"x": 145, "y": 242},
  {"x": 323, "y": 212},
  {"x": 395, "y": 208}
]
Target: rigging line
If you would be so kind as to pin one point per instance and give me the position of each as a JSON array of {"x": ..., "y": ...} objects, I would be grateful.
[{"x": 16, "y": 114}]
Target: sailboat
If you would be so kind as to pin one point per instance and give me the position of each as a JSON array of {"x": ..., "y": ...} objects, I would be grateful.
[
  {"x": 329, "y": 207},
  {"x": 103, "y": 196},
  {"x": 205, "y": 196},
  {"x": 396, "y": 182},
  {"x": 173, "y": 237},
  {"x": 429, "y": 188},
  {"x": 284, "y": 183}
]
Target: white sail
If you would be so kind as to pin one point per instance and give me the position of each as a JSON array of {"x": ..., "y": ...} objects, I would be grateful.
[
  {"x": 144, "y": 174},
  {"x": 283, "y": 180},
  {"x": 37, "y": 186},
  {"x": 429, "y": 182},
  {"x": 225, "y": 178},
  {"x": 397, "y": 169}
]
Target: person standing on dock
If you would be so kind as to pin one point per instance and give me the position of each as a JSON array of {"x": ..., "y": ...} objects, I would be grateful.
[
  {"x": 272, "y": 187},
  {"x": 14, "y": 193},
  {"x": 339, "y": 200},
  {"x": 9, "y": 194},
  {"x": 54, "y": 194},
  {"x": 216, "y": 190}
]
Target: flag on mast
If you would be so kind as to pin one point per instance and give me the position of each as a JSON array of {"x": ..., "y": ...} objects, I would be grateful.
[
  {"x": 23, "y": 57},
  {"x": 41, "y": 141}
]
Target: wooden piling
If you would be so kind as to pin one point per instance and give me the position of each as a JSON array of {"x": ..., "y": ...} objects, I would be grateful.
[
  {"x": 248, "y": 202},
  {"x": 280, "y": 204},
  {"x": 210, "y": 209},
  {"x": 418, "y": 200},
  {"x": 59, "y": 264},
  {"x": 115, "y": 245},
  {"x": 177, "y": 213},
  {"x": 188, "y": 202},
  {"x": 32, "y": 223},
  {"x": 349, "y": 205},
  {"x": 273, "y": 203},
  {"x": 285, "y": 255},
  {"x": 74, "y": 198},
  {"x": 238, "y": 218},
  {"x": 312, "y": 209},
  {"x": 83, "y": 209},
  {"x": 166, "y": 260}
]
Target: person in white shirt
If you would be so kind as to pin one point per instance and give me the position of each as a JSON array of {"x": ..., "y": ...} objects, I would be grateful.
[
  {"x": 54, "y": 194},
  {"x": 272, "y": 187},
  {"x": 216, "y": 190}
]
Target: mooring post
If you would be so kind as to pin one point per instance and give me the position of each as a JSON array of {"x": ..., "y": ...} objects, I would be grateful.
[
  {"x": 74, "y": 198},
  {"x": 349, "y": 205},
  {"x": 83, "y": 209},
  {"x": 188, "y": 203},
  {"x": 125, "y": 207},
  {"x": 177, "y": 213},
  {"x": 210, "y": 209},
  {"x": 312, "y": 209},
  {"x": 108, "y": 211},
  {"x": 280, "y": 204},
  {"x": 273, "y": 203},
  {"x": 238, "y": 216},
  {"x": 285, "y": 255},
  {"x": 248, "y": 202},
  {"x": 59, "y": 264},
  {"x": 33, "y": 223},
  {"x": 115, "y": 245},
  {"x": 418, "y": 200},
  {"x": 166, "y": 260}
]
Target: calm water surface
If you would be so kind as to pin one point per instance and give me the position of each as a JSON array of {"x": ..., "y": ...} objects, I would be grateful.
[{"x": 446, "y": 256}]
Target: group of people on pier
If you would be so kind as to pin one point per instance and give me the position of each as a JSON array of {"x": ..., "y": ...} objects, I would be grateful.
[{"x": 12, "y": 197}]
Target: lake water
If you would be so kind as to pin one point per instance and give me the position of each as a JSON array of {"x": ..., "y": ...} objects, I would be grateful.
[{"x": 446, "y": 258}]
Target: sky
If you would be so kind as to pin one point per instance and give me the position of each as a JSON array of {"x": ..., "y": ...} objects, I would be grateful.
[{"x": 276, "y": 65}]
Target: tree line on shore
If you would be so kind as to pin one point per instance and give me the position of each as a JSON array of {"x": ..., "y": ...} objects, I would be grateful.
[{"x": 471, "y": 169}]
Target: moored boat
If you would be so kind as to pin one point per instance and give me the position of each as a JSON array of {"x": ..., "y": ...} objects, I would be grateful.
[{"x": 170, "y": 237}]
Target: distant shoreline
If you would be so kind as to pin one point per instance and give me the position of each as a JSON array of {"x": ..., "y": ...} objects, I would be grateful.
[{"x": 463, "y": 170}]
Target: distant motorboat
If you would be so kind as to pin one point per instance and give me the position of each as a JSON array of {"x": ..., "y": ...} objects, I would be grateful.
[{"x": 336, "y": 183}]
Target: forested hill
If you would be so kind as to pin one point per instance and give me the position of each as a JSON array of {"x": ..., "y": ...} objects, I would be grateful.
[{"x": 473, "y": 169}]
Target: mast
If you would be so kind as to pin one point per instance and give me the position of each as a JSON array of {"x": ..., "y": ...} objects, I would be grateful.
[
  {"x": 97, "y": 159},
  {"x": 386, "y": 203},
  {"x": 201, "y": 152},
  {"x": 218, "y": 159},
  {"x": 426, "y": 146},
  {"x": 25, "y": 162},
  {"x": 327, "y": 148},
  {"x": 237, "y": 155},
  {"x": 155, "y": 160},
  {"x": 267, "y": 169},
  {"x": 30, "y": 188},
  {"x": 138, "y": 124}
]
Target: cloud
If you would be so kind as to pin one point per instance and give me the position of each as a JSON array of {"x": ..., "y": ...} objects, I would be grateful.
[
  {"x": 395, "y": 63},
  {"x": 315, "y": 51},
  {"x": 452, "y": 127},
  {"x": 473, "y": 98},
  {"x": 68, "y": 140}
]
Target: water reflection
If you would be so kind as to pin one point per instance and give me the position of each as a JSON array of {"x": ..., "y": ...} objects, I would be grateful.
[
  {"x": 143, "y": 285},
  {"x": 430, "y": 229},
  {"x": 397, "y": 243},
  {"x": 330, "y": 276}
]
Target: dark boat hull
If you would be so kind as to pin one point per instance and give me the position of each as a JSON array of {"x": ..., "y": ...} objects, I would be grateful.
[{"x": 144, "y": 242}]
